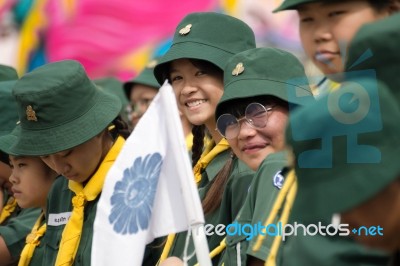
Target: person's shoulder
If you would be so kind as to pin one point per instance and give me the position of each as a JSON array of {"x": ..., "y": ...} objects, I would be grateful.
[{"x": 276, "y": 158}]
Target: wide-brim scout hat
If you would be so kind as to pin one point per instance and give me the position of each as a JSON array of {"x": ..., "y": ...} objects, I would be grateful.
[
  {"x": 59, "y": 108},
  {"x": 293, "y": 4},
  {"x": 9, "y": 140},
  {"x": 264, "y": 72},
  {"x": 145, "y": 77},
  {"x": 7, "y": 73},
  {"x": 208, "y": 36},
  {"x": 8, "y": 106},
  {"x": 375, "y": 51},
  {"x": 346, "y": 149}
]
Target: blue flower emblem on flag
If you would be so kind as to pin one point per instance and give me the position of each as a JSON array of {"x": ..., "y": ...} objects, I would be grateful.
[{"x": 133, "y": 196}]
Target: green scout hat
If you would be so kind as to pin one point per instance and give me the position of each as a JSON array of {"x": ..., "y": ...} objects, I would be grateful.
[
  {"x": 208, "y": 36},
  {"x": 7, "y": 73},
  {"x": 264, "y": 71},
  {"x": 59, "y": 108},
  {"x": 8, "y": 107},
  {"x": 145, "y": 77},
  {"x": 343, "y": 160},
  {"x": 376, "y": 47},
  {"x": 293, "y": 4}
]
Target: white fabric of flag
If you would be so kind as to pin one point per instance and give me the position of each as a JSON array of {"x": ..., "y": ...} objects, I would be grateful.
[{"x": 148, "y": 192}]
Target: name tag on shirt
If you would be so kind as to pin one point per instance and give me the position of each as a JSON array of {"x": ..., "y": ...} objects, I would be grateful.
[{"x": 57, "y": 219}]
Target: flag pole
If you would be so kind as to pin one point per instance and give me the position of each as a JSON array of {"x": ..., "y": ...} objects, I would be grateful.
[{"x": 190, "y": 194}]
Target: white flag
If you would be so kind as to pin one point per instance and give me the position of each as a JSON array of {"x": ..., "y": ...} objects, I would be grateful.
[{"x": 149, "y": 191}]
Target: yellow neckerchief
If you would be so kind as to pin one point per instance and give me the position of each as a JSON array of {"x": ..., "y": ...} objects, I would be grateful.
[
  {"x": 210, "y": 152},
  {"x": 287, "y": 192},
  {"x": 324, "y": 87},
  {"x": 8, "y": 209},
  {"x": 189, "y": 141},
  {"x": 207, "y": 156},
  {"x": 73, "y": 229},
  {"x": 32, "y": 241}
]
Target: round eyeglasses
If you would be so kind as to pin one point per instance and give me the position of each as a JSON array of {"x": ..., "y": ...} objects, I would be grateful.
[{"x": 256, "y": 115}]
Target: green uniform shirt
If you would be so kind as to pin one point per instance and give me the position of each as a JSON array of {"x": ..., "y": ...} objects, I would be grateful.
[
  {"x": 329, "y": 251},
  {"x": 234, "y": 194},
  {"x": 16, "y": 227},
  {"x": 59, "y": 208},
  {"x": 256, "y": 208}
]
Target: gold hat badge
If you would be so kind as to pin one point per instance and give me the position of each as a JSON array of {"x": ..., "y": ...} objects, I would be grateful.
[
  {"x": 238, "y": 69},
  {"x": 185, "y": 30},
  {"x": 152, "y": 64},
  {"x": 30, "y": 114}
]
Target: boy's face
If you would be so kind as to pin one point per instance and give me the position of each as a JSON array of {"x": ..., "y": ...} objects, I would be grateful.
[{"x": 327, "y": 28}]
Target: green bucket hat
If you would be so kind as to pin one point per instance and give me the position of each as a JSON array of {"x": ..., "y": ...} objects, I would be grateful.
[
  {"x": 8, "y": 108},
  {"x": 59, "y": 108},
  {"x": 9, "y": 140},
  {"x": 7, "y": 73},
  {"x": 264, "y": 71},
  {"x": 376, "y": 47},
  {"x": 293, "y": 4},
  {"x": 346, "y": 148},
  {"x": 145, "y": 77},
  {"x": 208, "y": 36}
]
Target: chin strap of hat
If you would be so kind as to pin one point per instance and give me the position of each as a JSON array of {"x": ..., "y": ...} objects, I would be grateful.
[{"x": 285, "y": 197}]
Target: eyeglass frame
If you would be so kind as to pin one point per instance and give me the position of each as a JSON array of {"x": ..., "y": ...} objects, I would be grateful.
[{"x": 267, "y": 109}]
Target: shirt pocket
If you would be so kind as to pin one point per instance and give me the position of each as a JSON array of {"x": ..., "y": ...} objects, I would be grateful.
[{"x": 51, "y": 241}]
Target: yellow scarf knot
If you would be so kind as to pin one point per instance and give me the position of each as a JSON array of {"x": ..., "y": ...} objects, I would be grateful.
[
  {"x": 32, "y": 241},
  {"x": 208, "y": 155},
  {"x": 79, "y": 200}
]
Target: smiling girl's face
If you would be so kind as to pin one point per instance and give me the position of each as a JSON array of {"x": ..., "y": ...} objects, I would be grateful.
[{"x": 198, "y": 89}]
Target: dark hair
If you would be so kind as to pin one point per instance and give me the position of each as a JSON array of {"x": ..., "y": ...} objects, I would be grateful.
[
  {"x": 4, "y": 158},
  {"x": 200, "y": 64},
  {"x": 198, "y": 133},
  {"x": 379, "y": 5},
  {"x": 121, "y": 128},
  {"x": 213, "y": 197}
]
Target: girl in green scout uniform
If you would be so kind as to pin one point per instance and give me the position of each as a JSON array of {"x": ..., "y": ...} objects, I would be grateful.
[
  {"x": 355, "y": 190},
  {"x": 75, "y": 128},
  {"x": 15, "y": 223},
  {"x": 202, "y": 44},
  {"x": 254, "y": 121},
  {"x": 141, "y": 90},
  {"x": 326, "y": 27},
  {"x": 31, "y": 181}
]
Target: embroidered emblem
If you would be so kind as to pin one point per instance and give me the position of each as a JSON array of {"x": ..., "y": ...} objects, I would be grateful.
[
  {"x": 185, "y": 30},
  {"x": 30, "y": 113},
  {"x": 238, "y": 69},
  {"x": 278, "y": 179},
  {"x": 133, "y": 196},
  {"x": 152, "y": 64}
]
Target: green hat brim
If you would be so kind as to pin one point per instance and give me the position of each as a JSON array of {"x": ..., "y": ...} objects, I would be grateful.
[
  {"x": 7, "y": 141},
  {"x": 292, "y": 5},
  {"x": 258, "y": 87},
  {"x": 139, "y": 80},
  {"x": 191, "y": 50},
  {"x": 72, "y": 133}
]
